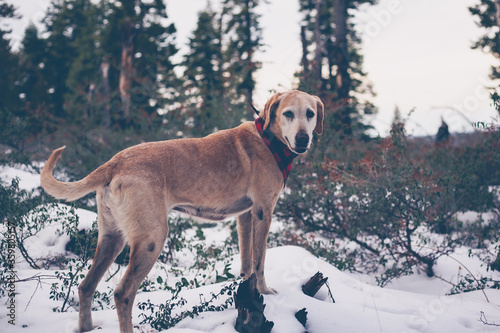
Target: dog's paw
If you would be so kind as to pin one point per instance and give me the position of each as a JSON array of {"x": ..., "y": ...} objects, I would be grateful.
[{"x": 267, "y": 291}]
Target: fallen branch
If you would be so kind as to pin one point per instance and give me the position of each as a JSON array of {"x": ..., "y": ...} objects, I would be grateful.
[
  {"x": 301, "y": 316},
  {"x": 484, "y": 320}
]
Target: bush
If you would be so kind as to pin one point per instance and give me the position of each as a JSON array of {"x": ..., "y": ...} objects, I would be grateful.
[
  {"x": 389, "y": 202},
  {"x": 21, "y": 215},
  {"x": 164, "y": 316}
]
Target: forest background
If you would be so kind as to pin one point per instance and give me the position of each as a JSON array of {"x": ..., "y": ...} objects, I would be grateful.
[{"x": 101, "y": 76}]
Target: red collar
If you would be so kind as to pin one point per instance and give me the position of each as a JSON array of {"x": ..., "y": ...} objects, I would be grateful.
[{"x": 282, "y": 154}]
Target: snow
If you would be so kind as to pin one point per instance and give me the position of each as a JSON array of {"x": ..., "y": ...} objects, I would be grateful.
[
  {"x": 27, "y": 180},
  {"x": 414, "y": 303}
]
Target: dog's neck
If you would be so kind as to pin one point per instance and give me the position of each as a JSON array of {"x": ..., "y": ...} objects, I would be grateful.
[{"x": 282, "y": 154}]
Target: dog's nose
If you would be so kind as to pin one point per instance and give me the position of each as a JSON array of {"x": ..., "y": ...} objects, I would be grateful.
[{"x": 301, "y": 141}]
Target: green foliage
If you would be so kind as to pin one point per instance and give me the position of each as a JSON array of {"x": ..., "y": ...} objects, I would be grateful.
[
  {"x": 389, "y": 202},
  {"x": 204, "y": 76},
  {"x": 66, "y": 82},
  {"x": 22, "y": 213},
  {"x": 469, "y": 170},
  {"x": 485, "y": 12},
  {"x": 88, "y": 147},
  {"x": 495, "y": 264},
  {"x": 164, "y": 316},
  {"x": 220, "y": 66},
  {"x": 332, "y": 65},
  {"x": 83, "y": 246},
  {"x": 243, "y": 24},
  {"x": 468, "y": 283}
]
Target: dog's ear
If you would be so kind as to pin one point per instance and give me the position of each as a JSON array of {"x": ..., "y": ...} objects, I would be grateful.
[
  {"x": 270, "y": 109},
  {"x": 321, "y": 115}
]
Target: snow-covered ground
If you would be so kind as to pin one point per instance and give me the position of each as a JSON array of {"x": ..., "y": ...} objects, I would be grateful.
[{"x": 414, "y": 303}]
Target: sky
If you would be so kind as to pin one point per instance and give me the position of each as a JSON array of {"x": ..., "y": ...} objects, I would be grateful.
[{"x": 417, "y": 56}]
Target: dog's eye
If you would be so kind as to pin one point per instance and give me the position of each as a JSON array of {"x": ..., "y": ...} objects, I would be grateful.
[
  {"x": 289, "y": 114},
  {"x": 309, "y": 114}
]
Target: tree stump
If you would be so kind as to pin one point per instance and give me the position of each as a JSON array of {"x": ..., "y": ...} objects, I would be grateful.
[
  {"x": 250, "y": 306},
  {"x": 301, "y": 316},
  {"x": 314, "y": 284}
]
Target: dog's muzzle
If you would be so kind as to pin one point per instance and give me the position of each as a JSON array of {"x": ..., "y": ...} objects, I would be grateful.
[{"x": 301, "y": 142}]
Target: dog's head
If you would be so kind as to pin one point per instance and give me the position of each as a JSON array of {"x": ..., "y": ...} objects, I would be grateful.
[{"x": 292, "y": 117}]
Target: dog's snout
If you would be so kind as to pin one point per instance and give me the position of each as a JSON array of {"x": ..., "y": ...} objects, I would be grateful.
[{"x": 301, "y": 141}]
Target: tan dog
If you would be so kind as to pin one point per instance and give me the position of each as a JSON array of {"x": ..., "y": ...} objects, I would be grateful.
[{"x": 228, "y": 173}]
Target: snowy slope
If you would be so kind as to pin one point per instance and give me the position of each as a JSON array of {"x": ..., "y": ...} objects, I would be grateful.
[{"x": 410, "y": 304}]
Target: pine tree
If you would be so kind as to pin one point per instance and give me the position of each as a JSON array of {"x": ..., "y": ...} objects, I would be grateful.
[
  {"x": 12, "y": 115},
  {"x": 140, "y": 60},
  {"x": 220, "y": 66},
  {"x": 488, "y": 14},
  {"x": 90, "y": 80},
  {"x": 33, "y": 85},
  {"x": 62, "y": 24},
  {"x": 244, "y": 39},
  {"x": 84, "y": 71},
  {"x": 397, "y": 117},
  {"x": 204, "y": 80},
  {"x": 332, "y": 64},
  {"x": 9, "y": 94}
]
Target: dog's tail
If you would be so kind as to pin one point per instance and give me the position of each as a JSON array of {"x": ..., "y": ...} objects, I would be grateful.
[{"x": 71, "y": 191}]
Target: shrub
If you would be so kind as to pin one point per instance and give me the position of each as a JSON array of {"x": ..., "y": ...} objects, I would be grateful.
[
  {"x": 387, "y": 203},
  {"x": 22, "y": 215},
  {"x": 164, "y": 316}
]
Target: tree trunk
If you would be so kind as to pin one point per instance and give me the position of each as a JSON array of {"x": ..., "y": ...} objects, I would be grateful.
[
  {"x": 304, "y": 62},
  {"x": 126, "y": 67},
  {"x": 497, "y": 6},
  {"x": 106, "y": 118},
  {"x": 343, "y": 80},
  {"x": 250, "y": 51},
  {"x": 319, "y": 47},
  {"x": 341, "y": 54},
  {"x": 88, "y": 114}
]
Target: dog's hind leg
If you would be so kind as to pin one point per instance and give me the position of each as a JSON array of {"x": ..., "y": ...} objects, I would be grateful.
[
  {"x": 145, "y": 246},
  {"x": 108, "y": 247},
  {"x": 110, "y": 242}
]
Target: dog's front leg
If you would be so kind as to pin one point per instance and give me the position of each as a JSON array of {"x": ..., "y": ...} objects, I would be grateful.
[
  {"x": 261, "y": 222},
  {"x": 245, "y": 243}
]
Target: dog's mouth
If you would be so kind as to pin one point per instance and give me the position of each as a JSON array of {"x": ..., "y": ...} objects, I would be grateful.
[{"x": 296, "y": 150}]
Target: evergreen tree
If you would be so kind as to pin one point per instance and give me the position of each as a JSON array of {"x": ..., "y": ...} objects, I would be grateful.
[
  {"x": 90, "y": 80},
  {"x": 397, "y": 117},
  {"x": 204, "y": 80},
  {"x": 9, "y": 94},
  {"x": 332, "y": 64},
  {"x": 220, "y": 66},
  {"x": 14, "y": 128},
  {"x": 33, "y": 85},
  {"x": 84, "y": 75},
  {"x": 62, "y": 24},
  {"x": 488, "y": 14},
  {"x": 140, "y": 60},
  {"x": 244, "y": 39}
]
